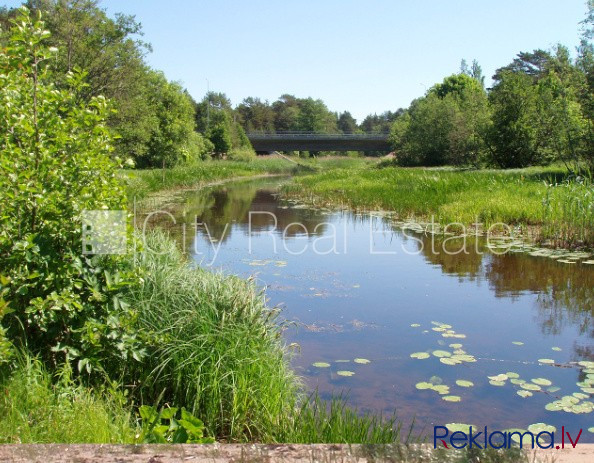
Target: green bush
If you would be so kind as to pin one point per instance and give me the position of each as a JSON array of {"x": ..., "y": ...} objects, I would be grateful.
[{"x": 56, "y": 162}]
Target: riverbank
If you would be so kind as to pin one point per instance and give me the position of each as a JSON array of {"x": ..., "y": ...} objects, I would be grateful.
[{"x": 545, "y": 205}]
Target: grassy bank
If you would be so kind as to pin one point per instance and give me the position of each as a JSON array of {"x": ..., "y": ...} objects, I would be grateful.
[
  {"x": 140, "y": 183},
  {"x": 543, "y": 200}
]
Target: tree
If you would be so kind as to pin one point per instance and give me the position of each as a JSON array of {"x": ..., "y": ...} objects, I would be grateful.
[
  {"x": 347, "y": 123},
  {"x": 55, "y": 163},
  {"x": 255, "y": 115},
  {"x": 513, "y": 137},
  {"x": 173, "y": 123}
]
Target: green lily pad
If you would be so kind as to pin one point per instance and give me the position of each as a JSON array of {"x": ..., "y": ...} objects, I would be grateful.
[
  {"x": 530, "y": 386},
  {"x": 586, "y": 363},
  {"x": 540, "y": 427},
  {"x": 501, "y": 377},
  {"x": 496, "y": 383},
  {"x": 362, "y": 361},
  {"x": 321, "y": 365},
  {"x": 542, "y": 381},
  {"x": 449, "y": 361},
  {"x": 553, "y": 389},
  {"x": 580, "y": 395},
  {"x": 455, "y": 427},
  {"x": 512, "y": 374},
  {"x": 441, "y": 353},
  {"x": 441, "y": 389},
  {"x": 588, "y": 390},
  {"x": 516, "y": 434},
  {"x": 420, "y": 355},
  {"x": 464, "y": 383},
  {"x": 345, "y": 373},
  {"x": 517, "y": 381},
  {"x": 592, "y": 428},
  {"x": 553, "y": 407},
  {"x": 557, "y": 349},
  {"x": 518, "y": 343},
  {"x": 451, "y": 398},
  {"x": 423, "y": 385},
  {"x": 456, "y": 346},
  {"x": 524, "y": 394},
  {"x": 547, "y": 361}
]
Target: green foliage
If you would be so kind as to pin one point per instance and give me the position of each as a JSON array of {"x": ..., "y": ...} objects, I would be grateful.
[
  {"x": 173, "y": 127},
  {"x": 219, "y": 352},
  {"x": 37, "y": 407},
  {"x": 444, "y": 127},
  {"x": 220, "y": 137},
  {"x": 6, "y": 351},
  {"x": 55, "y": 162},
  {"x": 167, "y": 426},
  {"x": 242, "y": 154}
]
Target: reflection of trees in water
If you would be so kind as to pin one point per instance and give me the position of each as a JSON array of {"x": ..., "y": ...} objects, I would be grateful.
[
  {"x": 220, "y": 207},
  {"x": 565, "y": 292},
  {"x": 448, "y": 255}
]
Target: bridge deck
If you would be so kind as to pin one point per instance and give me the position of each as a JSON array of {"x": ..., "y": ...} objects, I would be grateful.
[{"x": 319, "y": 142}]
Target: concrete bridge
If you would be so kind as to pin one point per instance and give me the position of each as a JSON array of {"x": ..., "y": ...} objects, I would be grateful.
[{"x": 293, "y": 141}]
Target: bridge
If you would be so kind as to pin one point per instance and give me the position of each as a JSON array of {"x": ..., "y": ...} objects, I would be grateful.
[{"x": 299, "y": 141}]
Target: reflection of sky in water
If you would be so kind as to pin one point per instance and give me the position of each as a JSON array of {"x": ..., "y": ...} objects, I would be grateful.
[{"x": 357, "y": 304}]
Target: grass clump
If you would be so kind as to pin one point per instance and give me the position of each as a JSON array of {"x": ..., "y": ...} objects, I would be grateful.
[
  {"x": 218, "y": 349},
  {"x": 37, "y": 407}
]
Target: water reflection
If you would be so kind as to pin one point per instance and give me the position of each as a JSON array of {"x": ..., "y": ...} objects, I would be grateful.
[{"x": 355, "y": 304}]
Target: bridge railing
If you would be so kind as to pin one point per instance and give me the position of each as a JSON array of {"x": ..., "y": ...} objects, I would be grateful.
[{"x": 317, "y": 136}]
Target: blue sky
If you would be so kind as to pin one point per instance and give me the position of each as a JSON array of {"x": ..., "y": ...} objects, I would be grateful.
[{"x": 363, "y": 56}]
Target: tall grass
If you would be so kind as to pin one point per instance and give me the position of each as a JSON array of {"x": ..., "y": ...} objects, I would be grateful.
[
  {"x": 218, "y": 349},
  {"x": 219, "y": 352},
  {"x": 541, "y": 198},
  {"x": 36, "y": 407}
]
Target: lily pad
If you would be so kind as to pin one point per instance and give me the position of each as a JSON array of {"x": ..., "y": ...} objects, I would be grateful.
[
  {"x": 321, "y": 365},
  {"x": 456, "y": 346},
  {"x": 345, "y": 373},
  {"x": 553, "y": 407},
  {"x": 454, "y": 427},
  {"x": 553, "y": 389},
  {"x": 547, "y": 361},
  {"x": 501, "y": 377},
  {"x": 442, "y": 353},
  {"x": 518, "y": 343},
  {"x": 441, "y": 389},
  {"x": 542, "y": 381},
  {"x": 451, "y": 398},
  {"x": 497, "y": 383},
  {"x": 524, "y": 394},
  {"x": 557, "y": 349},
  {"x": 423, "y": 385},
  {"x": 512, "y": 374},
  {"x": 530, "y": 387},
  {"x": 464, "y": 383},
  {"x": 517, "y": 381},
  {"x": 541, "y": 427},
  {"x": 420, "y": 355},
  {"x": 362, "y": 361},
  {"x": 449, "y": 361},
  {"x": 592, "y": 428}
]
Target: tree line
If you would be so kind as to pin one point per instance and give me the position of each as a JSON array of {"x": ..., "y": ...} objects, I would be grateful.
[{"x": 540, "y": 108}]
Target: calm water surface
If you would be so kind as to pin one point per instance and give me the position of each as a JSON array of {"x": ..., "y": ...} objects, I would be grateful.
[{"x": 354, "y": 284}]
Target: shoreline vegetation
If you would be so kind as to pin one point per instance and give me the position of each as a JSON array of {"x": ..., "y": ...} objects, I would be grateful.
[{"x": 119, "y": 346}]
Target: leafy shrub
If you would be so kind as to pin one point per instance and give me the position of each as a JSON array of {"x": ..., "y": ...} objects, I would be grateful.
[
  {"x": 56, "y": 162},
  {"x": 169, "y": 426}
]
